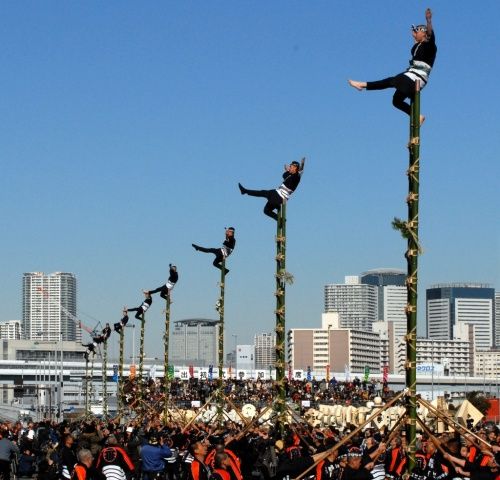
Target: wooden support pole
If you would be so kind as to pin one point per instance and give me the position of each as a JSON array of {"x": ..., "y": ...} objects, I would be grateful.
[
  {"x": 87, "y": 396},
  {"x": 279, "y": 404},
  {"x": 347, "y": 438},
  {"x": 220, "y": 308},
  {"x": 166, "y": 340},
  {"x": 412, "y": 275},
  {"x": 141, "y": 358},
  {"x": 104, "y": 368},
  {"x": 91, "y": 393},
  {"x": 120, "y": 373}
]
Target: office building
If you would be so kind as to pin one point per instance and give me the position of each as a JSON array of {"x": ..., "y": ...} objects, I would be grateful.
[
  {"x": 195, "y": 342},
  {"x": 385, "y": 277},
  {"x": 265, "y": 350},
  {"x": 356, "y": 303},
  {"x": 497, "y": 319},
  {"x": 245, "y": 357},
  {"x": 10, "y": 330},
  {"x": 49, "y": 307},
  {"x": 451, "y": 305}
]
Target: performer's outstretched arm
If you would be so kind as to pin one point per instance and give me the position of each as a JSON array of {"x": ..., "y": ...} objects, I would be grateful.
[
  {"x": 428, "y": 18},
  {"x": 302, "y": 164}
]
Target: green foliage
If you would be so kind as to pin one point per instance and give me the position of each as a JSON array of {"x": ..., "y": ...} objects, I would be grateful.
[{"x": 400, "y": 225}]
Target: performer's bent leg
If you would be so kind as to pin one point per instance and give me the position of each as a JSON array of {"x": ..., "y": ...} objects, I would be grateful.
[
  {"x": 274, "y": 202},
  {"x": 269, "y": 210},
  {"x": 164, "y": 293},
  {"x": 405, "y": 88},
  {"x": 398, "y": 100},
  {"x": 218, "y": 261},
  {"x": 138, "y": 310}
]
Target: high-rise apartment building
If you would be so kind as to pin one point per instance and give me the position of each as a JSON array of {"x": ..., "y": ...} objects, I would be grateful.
[
  {"x": 454, "y": 356},
  {"x": 451, "y": 306},
  {"x": 356, "y": 303},
  {"x": 195, "y": 342},
  {"x": 49, "y": 307},
  {"x": 265, "y": 351},
  {"x": 10, "y": 330},
  {"x": 496, "y": 330}
]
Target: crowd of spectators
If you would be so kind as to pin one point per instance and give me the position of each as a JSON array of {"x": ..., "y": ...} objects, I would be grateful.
[{"x": 147, "y": 448}]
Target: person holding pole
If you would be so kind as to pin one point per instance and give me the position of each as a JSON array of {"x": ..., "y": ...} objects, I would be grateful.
[
  {"x": 291, "y": 180},
  {"x": 220, "y": 253},
  {"x": 169, "y": 286},
  {"x": 423, "y": 55},
  {"x": 141, "y": 310},
  {"x": 122, "y": 323}
]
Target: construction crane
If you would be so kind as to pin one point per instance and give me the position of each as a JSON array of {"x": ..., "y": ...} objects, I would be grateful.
[{"x": 91, "y": 331}]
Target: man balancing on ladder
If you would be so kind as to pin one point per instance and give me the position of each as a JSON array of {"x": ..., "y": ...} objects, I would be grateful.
[
  {"x": 423, "y": 54},
  {"x": 167, "y": 287},
  {"x": 220, "y": 253},
  {"x": 291, "y": 180}
]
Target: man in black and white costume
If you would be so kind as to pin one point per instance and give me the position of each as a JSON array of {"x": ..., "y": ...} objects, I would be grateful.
[
  {"x": 168, "y": 287},
  {"x": 141, "y": 310},
  {"x": 220, "y": 253},
  {"x": 275, "y": 198},
  {"x": 119, "y": 325},
  {"x": 103, "y": 337},
  {"x": 423, "y": 54}
]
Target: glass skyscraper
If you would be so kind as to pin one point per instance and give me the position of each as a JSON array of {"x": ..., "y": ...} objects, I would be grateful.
[{"x": 452, "y": 306}]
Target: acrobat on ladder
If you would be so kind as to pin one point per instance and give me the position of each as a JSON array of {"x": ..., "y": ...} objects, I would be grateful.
[{"x": 423, "y": 54}]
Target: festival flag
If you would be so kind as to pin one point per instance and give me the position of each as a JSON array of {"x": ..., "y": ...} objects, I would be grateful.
[
  {"x": 309, "y": 377},
  {"x": 115, "y": 373},
  {"x": 132, "y": 372},
  {"x": 347, "y": 373},
  {"x": 210, "y": 372},
  {"x": 170, "y": 372},
  {"x": 152, "y": 372},
  {"x": 191, "y": 371},
  {"x": 385, "y": 374},
  {"x": 367, "y": 373}
]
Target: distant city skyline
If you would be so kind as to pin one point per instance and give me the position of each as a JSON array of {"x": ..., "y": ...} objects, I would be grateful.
[{"x": 124, "y": 142}]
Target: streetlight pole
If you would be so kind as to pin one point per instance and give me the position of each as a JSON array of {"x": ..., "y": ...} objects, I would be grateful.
[
  {"x": 328, "y": 363},
  {"x": 432, "y": 369},
  {"x": 235, "y": 355},
  {"x": 61, "y": 388}
]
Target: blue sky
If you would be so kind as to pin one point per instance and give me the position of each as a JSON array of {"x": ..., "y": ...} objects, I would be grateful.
[{"x": 126, "y": 128}]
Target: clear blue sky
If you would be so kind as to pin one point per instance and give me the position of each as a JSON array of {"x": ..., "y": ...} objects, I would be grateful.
[{"x": 126, "y": 128}]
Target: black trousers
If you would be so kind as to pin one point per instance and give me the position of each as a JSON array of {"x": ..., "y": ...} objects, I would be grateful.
[
  {"x": 5, "y": 469},
  {"x": 274, "y": 201},
  {"x": 163, "y": 291},
  {"x": 405, "y": 88},
  {"x": 218, "y": 255},
  {"x": 139, "y": 311}
]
